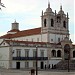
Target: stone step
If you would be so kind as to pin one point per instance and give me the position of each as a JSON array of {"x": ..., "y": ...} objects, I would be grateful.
[{"x": 64, "y": 64}]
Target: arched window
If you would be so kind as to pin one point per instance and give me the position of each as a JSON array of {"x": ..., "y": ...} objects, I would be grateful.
[
  {"x": 64, "y": 24},
  {"x": 53, "y": 53},
  {"x": 58, "y": 19},
  {"x": 52, "y": 22},
  {"x": 59, "y": 53},
  {"x": 73, "y": 53},
  {"x": 45, "y": 22}
]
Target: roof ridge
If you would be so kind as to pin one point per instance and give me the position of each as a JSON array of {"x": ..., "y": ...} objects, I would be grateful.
[
  {"x": 22, "y": 33},
  {"x": 31, "y": 29}
]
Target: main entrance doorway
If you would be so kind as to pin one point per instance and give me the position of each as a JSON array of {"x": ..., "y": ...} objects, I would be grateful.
[
  {"x": 17, "y": 65},
  {"x": 42, "y": 65},
  {"x": 66, "y": 52}
]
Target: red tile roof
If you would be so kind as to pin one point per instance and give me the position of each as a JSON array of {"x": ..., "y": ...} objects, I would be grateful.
[
  {"x": 27, "y": 32},
  {"x": 23, "y": 33},
  {"x": 8, "y": 36}
]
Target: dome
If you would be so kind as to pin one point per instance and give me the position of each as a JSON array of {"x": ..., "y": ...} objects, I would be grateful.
[
  {"x": 61, "y": 11},
  {"x": 48, "y": 9}
]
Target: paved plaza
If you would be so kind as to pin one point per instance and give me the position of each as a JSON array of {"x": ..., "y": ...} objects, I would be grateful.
[{"x": 22, "y": 72}]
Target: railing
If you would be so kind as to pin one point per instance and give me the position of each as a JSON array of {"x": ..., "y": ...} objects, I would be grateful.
[{"x": 30, "y": 58}]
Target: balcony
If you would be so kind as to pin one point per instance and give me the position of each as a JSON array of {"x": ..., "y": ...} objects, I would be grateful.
[{"x": 30, "y": 58}]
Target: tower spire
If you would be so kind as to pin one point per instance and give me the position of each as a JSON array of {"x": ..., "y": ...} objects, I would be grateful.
[
  {"x": 67, "y": 16},
  {"x": 55, "y": 12},
  {"x": 61, "y": 7},
  {"x": 48, "y": 4},
  {"x": 42, "y": 12},
  {"x": 15, "y": 21}
]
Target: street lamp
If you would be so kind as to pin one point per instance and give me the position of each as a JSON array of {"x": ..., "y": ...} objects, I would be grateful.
[
  {"x": 68, "y": 61},
  {"x": 36, "y": 61},
  {"x": 67, "y": 49}
]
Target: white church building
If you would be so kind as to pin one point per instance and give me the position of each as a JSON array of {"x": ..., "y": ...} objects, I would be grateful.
[{"x": 51, "y": 41}]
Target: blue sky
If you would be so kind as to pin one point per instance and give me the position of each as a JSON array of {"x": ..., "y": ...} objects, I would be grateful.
[{"x": 27, "y": 13}]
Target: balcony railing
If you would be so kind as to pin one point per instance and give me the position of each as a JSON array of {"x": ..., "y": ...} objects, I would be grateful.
[{"x": 30, "y": 58}]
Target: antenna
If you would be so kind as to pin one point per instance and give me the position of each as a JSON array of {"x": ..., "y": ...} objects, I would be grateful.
[{"x": 48, "y": 4}]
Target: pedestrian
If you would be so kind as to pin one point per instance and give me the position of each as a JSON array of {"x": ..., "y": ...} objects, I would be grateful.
[
  {"x": 52, "y": 66},
  {"x": 45, "y": 66},
  {"x": 49, "y": 66}
]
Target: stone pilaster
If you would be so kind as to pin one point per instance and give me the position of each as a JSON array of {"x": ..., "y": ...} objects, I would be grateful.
[
  {"x": 10, "y": 56},
  {"x": 62, "y": 54}
]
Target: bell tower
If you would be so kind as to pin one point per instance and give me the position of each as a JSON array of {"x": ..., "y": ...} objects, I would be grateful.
[
  {"x": 47, "y": 22},
  {"x": 47, "y": 19},
  {"x": 54, "y": 26}
]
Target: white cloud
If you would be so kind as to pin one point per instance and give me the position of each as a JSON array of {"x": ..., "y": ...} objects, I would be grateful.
[
  {"x": 18, "y": 6},
  {"x": 2, "y": 33}
]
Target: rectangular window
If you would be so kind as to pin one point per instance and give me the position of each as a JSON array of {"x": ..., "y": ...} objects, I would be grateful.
[
  {"x": 34, "y": 53},
  {"x": 26, "y": 64},
  {"x": 51, "y": 39},
  {"x": 58, "y": 39},
  {"x": 32, "y": 39},
  {"x": 26, "y": 39},
  {"x": 42, "y": 53},
  {"x": 37, "y": 39},
  {"x": 27, "y": 53},
  {"x": 34, "y": 64},
  {"x": 18, "y": 53}
]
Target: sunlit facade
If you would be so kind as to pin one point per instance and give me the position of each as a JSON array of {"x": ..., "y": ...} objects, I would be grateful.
[{"x": 51, "y": 40}]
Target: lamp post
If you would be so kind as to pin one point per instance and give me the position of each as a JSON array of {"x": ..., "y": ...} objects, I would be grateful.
[
  {"x": 68, "y": 61},
  {"x": 36, "y": 62},
  {"x": 67, "y": 49}
]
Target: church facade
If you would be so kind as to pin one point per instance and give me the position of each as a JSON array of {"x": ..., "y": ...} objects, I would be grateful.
[{"x": 51, "y": 42}]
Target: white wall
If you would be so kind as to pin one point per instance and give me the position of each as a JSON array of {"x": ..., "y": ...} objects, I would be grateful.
[
  {"x": 4, "y": 57},
  {"x": 4, "y": 44},
  {"x": 44, "y": 37},
  {"x": 1, "y": 40},
  {"x": 30, "y": 51},
  {"x": 55, "y": 37},
  {"x": 22, "y": 63},
  {"x": 29, "y": 38}
]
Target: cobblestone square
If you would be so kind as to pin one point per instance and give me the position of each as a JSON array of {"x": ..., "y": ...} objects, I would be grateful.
[{"x": 23, "y": 72}]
